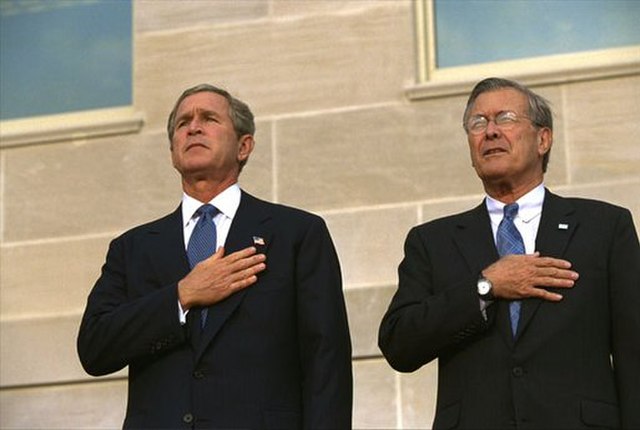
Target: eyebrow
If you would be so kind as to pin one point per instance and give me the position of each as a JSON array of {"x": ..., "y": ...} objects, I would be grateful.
[
  {"x": 199, "y": 112},
  {"x": 484, "y": 115}
]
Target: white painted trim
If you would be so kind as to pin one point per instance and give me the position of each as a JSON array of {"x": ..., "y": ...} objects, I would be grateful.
[
  {"x": 70, "y": 127},
  {"x": 553, "y": 69},
  {"x": 433, "y": 82}
]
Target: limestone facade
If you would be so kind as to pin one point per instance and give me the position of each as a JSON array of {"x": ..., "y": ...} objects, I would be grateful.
[{"x": 337, "y": 135}]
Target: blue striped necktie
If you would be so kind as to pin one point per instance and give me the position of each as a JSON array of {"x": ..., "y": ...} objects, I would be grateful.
[
  {"x": 509, "y": 241},
  {"x": 202, "y": 243}
]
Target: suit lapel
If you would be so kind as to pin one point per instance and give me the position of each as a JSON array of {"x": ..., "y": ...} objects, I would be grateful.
[
  {"x": 166, "y": 249},
  {"x": 249, "y": 228},
  {"x": 169, "y": 259},
  {"x": 557, "y": 225},
  {"x": 474, "y": 239}
]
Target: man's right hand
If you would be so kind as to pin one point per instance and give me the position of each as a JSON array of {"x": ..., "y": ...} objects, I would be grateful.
[
  {"x": 521, "y": 276},
  {"x": 216, "y": 278}
]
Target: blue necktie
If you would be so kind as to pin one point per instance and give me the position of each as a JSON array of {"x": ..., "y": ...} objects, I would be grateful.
[
  {"x": 509, "y": 241},
  {"x": 202, "y": 243}
]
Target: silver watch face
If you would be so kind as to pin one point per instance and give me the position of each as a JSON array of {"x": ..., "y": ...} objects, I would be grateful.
[{"x": 484, "y": 287}]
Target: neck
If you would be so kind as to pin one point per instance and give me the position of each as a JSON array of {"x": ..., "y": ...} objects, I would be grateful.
[
  {"x": 508, "y": 192},
  {"x": 204, "y": 190}
]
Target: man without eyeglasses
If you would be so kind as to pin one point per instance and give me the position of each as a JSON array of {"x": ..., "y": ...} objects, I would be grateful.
[
  {"x": 228, "y": 312},
  {"x": 530, "y": 301}
]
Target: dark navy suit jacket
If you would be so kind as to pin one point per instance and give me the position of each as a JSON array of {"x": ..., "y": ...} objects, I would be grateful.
[
  {"x": 275, "y": 355},
  {"x": 573, "y": 364}
]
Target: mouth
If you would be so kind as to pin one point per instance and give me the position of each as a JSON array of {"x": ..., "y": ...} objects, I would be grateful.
[
  {"x": 195, "y": 145},
  {"x": 493, "y": 151}
]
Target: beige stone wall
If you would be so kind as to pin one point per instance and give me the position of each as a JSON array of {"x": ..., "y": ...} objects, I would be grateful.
[{"x": 336, "y": 135}]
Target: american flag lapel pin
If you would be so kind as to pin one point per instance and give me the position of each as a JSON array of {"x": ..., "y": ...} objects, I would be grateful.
[
  {"x": 563, "y": 226},
  {"x": 258, "y": 241}
]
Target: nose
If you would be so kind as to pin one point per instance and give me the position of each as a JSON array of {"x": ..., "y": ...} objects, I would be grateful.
[
  {"x": 195, "y": 126},
  {"x": 492, "y": 130}
]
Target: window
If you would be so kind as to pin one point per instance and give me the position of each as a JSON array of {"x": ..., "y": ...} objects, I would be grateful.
[
  {"x": 64, "y": 57},
  {"x": 544, "y": 40}
]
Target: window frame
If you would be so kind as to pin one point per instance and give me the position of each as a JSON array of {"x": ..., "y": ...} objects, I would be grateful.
[
  {"x": 68, "y": 127},
  {"x": 431, "y": 81},
  {"x": 76, "y": 125}
]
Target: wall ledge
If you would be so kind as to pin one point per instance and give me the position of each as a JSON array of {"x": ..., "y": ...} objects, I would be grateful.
[
  {"x": 70, "y": 127},
  {"x": 557, "y": 69}
]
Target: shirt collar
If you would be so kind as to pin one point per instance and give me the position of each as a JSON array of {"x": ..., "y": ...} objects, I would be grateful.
[
  {"x": 227, "y": 202},
  {"x": 529, "y": 205}
]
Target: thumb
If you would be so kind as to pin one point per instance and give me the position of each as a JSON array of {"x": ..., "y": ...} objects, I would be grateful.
[{"x": 218, "y": 254}]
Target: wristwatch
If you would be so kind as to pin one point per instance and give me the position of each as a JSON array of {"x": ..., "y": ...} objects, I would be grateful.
[{"x": 485, "y": 288}]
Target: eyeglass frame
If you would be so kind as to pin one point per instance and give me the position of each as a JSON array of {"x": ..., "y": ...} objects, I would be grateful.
[{"x": 498, "y": 121}]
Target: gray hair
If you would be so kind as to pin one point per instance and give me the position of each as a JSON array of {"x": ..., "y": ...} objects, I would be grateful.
[
  {"x": 539, "y": 110},
  {"x": 239, "y": 112}
]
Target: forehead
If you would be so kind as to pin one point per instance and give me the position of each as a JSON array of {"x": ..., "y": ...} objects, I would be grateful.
[
  {"x": 206, "y": 101},
  {"x": 500, "y": 100}
]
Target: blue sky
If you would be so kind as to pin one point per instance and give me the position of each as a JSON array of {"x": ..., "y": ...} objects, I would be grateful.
[
  {"x": 480, "y": 31},
  {"x": 72, "y": 55},
  {"x": 63, "y": 56}
]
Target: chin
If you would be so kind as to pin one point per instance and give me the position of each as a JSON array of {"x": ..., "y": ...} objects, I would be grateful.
[{"x": 492, "y": 174}]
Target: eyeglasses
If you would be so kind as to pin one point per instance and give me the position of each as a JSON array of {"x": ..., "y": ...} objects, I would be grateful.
[{"x": 505, "y": 120}]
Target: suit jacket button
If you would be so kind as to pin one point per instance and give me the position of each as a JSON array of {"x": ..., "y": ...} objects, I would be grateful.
[
  {"x": 517, "y": 371},
  {"x": 187, "y": 418},
  {"x": 198, "y": 374}
]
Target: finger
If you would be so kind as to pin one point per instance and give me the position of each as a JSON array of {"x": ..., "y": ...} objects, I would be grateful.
[
  {"x": 555, "y": 272},
  {"x": 218, "y": 254},
  {"x": 248, "y": 271},
  {"x": 242, "y": 280},
  {"x": 247, "y": 262},
  {"x": 244, "y": 283},
  {"x": 553, "y": 262},
  {"x": 546, "y": 295},
  {"x": 554, "y": 282},
  {"x": 243, "y": 253}
]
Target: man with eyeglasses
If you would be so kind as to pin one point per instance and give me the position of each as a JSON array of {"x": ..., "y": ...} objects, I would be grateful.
[{"x": 531, "y": 301}]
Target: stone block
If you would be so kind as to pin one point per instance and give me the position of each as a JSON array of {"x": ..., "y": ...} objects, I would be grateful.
[
  {"x": 418, "y": 391},
  {"x": 96, "y": 405},
  {"x": 369, "y": 242},
  {"x": 602, "y": 119},
  {"x": 153, "y": 15},
  {"x": 375, "y": 399},
  {"x": 281, "y": 66},
  {"x": 296, "y": 8},
  {"x": 365, "y": 308},
  {"x": 49, "y": 278},
  {"x": 372, "y": 156},
  {"x": 97, "y": 186},
  {"x": 41, "y": 351}
]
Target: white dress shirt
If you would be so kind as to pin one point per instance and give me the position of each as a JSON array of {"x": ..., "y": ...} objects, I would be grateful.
[
  {"x": 227, "y": 203},
  {"x": 526, "y": 221}
]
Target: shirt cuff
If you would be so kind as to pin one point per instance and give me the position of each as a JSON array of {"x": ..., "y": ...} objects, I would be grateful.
[
  {"x": 484, "y": 304},
  {"x": 182, "y": 314}
]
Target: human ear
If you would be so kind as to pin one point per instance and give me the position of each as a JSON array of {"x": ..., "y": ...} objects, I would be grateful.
[
  {"x": 545, "y": 140},
  {"x": 245, "y": 147}
]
